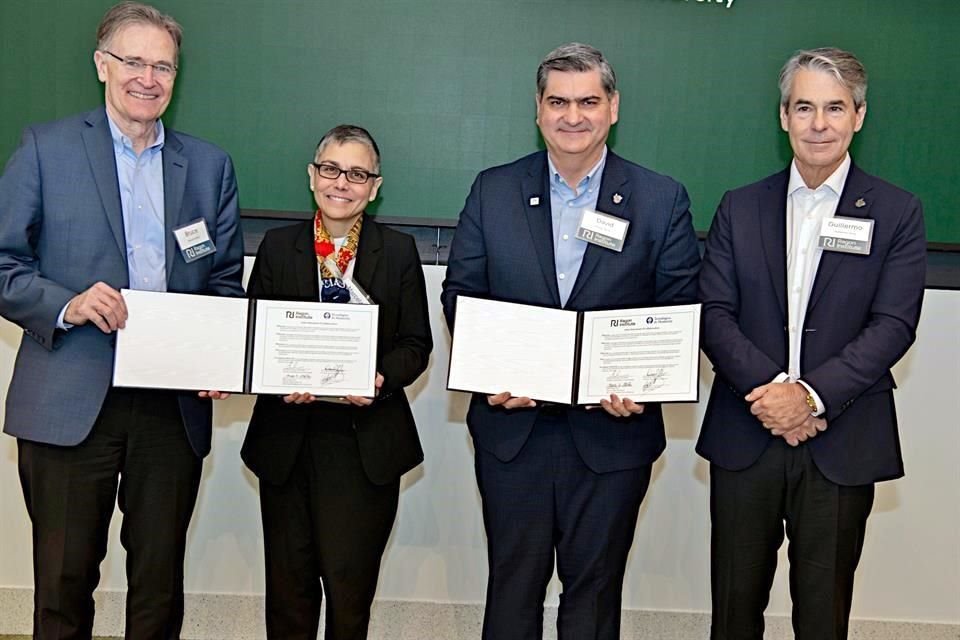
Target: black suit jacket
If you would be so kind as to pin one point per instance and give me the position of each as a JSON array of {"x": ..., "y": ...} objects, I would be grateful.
[
  {"x": 388, "y": 268},
  {"x": 861, "y": 318}
]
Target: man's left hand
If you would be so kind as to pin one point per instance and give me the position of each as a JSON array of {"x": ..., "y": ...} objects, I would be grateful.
[{"x": 620, "y": 407}]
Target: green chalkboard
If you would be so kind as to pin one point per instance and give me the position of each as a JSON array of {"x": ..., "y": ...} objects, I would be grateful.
[{"x": 447, "y": 86}]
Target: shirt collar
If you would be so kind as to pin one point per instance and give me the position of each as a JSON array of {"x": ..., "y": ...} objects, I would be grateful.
[
  {"x": 556, "y": 179},
  {"x": 122, "y": 141},
  {"x": 835, "y": 182}
]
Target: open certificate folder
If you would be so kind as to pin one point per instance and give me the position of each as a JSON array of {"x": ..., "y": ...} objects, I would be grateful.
[
  {"x": 193, "y": 342},
  {"x": 648, "y": 355}
]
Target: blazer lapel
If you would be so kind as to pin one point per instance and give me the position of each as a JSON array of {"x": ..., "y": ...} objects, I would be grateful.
[
  {"x": 174, "y": 181},
  {"x": 368, "y": 254},
  {"x": 857, "y": 189},
  {"x": 305, "y": 263},
  {"x": 535, "y": 191},
  {"x": 613, "y": 182},
  {"x": 103, "y": 164},
  {"x": 773, "y": 235}
]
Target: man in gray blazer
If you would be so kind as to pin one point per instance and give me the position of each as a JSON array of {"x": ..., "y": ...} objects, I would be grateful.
[{"x": 89, "y": 205}]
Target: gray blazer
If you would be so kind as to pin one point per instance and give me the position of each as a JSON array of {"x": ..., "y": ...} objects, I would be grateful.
[{"x": 61, "y": 231}]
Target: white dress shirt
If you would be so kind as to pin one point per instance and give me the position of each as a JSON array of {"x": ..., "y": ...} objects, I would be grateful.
[{"x": 806, "y": 210}]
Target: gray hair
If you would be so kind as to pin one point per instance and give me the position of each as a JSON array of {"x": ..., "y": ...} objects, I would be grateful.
[
  {"x": 343, "y": 133},
  {"x": 842, "y": 65},
  {"x": 128, "y": 13},
  {"x": 575, "y": 56}
]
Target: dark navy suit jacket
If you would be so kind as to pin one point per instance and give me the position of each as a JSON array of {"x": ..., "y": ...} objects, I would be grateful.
[
  {"x": 503, "y": 249},
  {"x": 861, "y": 318},
  {"x": 61, "y": 231}
]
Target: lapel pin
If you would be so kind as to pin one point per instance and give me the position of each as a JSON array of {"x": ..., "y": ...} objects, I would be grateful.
[
  {"x": 860, "y": 204},
  {"x": 617, "y": 198},
  {"x": 535, "y": 201}
]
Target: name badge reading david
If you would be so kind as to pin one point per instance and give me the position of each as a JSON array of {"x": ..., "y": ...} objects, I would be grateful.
[
  {"x": 603, "y": 230},
  {"x": 194, "y": 240},
  {"x": 846, "y": 235}
]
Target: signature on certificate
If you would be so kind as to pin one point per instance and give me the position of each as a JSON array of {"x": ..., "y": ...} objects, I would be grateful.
[
  {"x": 332, "y": 374},
  {"x": 654, "y": 379},
  {"x": 618, "y": 381},
  {"x": 295, "y": 373}
]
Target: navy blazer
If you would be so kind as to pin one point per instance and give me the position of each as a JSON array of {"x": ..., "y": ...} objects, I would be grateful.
[
  {"x": 861, "y": 318},
  {"x": 62, "y": 231},
  {"x": 503, "y": 249}
]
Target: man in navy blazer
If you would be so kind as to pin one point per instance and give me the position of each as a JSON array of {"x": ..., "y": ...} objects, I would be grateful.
[
  {"x": 801, "y": 420},
  {"x": 89, "y": 205},
  {"x": 562, "y": 480}
]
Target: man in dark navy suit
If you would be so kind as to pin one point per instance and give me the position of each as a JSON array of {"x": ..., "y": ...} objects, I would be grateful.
[
  {"x": 558, "y": 480},
  {"x": 801, "y": 421}
]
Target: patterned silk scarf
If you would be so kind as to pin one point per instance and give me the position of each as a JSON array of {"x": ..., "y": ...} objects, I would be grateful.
[
  {"x": 325, "y": 249},
  {"x": 333, "y": 263}
]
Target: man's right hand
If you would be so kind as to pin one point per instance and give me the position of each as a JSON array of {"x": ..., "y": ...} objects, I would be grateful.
[
  {"x": 508, "y": 401},
  {"x": 809, "y": 429},
  {"x": 101, "y": 304}
]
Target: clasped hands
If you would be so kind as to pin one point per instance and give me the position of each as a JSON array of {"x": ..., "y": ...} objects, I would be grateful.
[
  {"x": 615, "y": 406},
  {"x": 782, "y": 409}
]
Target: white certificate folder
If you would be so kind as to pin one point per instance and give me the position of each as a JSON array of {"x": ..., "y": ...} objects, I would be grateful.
[
  {"x": 649, "y": 354},
  {"x": 240, "y": 345}
]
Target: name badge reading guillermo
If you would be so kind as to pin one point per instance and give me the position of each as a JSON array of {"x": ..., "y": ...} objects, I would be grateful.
[
  {"x": 603, "y": 230},
  {"x": 194, "y": 240},
  {"x": 846, "y": 235}
]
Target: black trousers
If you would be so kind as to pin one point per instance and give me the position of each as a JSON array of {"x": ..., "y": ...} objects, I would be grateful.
[
  {"x": 138, "y": 444},
  {"x": 546, "y": 501},
  {"x": 325, "y": 530},
  {"x": 825, "y": 524}
]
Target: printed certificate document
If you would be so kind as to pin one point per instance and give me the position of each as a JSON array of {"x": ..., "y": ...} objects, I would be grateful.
[
  {"x": 193, "y": 342},
  {"x": 647, "y": 354},
  {"x": 325, "y": 348}
]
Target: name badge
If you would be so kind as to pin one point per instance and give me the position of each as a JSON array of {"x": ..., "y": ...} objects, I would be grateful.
[
  {"x": 603, "y": 230},
  {"x": 194, "y": 240},
  {"x": 846, "y": 235}
]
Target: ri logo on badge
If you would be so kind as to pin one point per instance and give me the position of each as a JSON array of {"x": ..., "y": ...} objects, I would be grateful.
[{"x": 194, "y": 240}]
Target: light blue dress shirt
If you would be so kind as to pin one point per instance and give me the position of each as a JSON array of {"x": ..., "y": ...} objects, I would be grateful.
[
  {"x": 141, "y": 198},
  {"x": 566, "y": 207}
]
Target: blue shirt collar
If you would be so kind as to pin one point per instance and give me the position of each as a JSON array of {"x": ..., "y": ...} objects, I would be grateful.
[
  {"x": 122, "y": 141},
  {"x": 556, "y": 180}
]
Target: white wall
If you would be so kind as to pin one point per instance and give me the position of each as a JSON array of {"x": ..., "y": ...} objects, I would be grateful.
[{"x": 911, "y": 562}]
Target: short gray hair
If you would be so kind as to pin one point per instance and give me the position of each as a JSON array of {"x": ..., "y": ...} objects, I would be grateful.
[
  {"x": 128, "y": 13},
  {"x": 842, "y": 65},
  {"x": 343, "y": 133},
  {"x": 575, "y": 56}
]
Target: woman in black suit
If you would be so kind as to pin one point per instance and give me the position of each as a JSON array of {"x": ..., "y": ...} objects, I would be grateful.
[{"x": 330, "y": 473}]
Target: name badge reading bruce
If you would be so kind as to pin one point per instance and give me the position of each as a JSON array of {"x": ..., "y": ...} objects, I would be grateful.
[
  {"x": 846, "y": 235},
  {"x": 603, "y": 230},
  {"x": 194, "y": 240}
]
